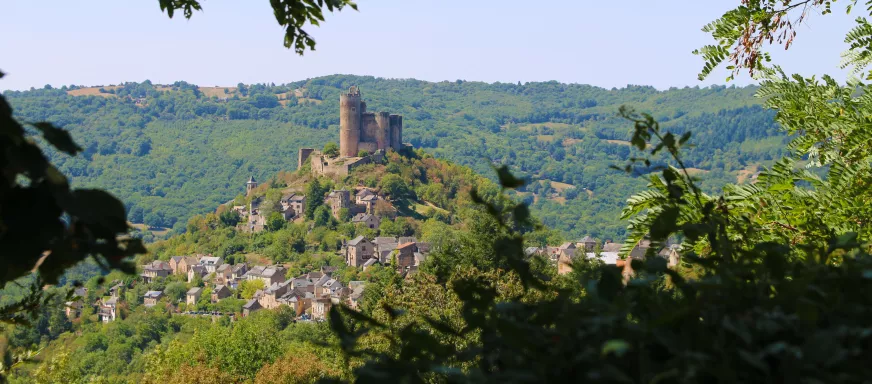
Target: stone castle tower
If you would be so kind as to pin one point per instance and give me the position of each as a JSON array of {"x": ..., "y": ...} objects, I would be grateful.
[{"x": 360, "y": 130}]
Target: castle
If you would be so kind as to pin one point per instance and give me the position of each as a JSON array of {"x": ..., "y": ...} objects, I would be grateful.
[
  {"x": 360, "y": 133},
  {"x": 360, "y": 130}
]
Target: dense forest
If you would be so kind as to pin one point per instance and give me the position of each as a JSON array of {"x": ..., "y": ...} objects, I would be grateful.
[{"x": 172, "y": 151}]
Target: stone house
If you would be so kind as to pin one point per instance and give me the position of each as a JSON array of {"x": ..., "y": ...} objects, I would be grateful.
[
  {"x": 250, "y": 307},
  {"x": 151, "y": 298},
  {"x": 362, "y": 194},
  {"x": 154, "y": 270},
  {"x": 337, "y": 200},
  {"x": 294, "y": 204},
  {"x": 368, "y": 203},
  {"x": 269, "y": 274},
  {"x": 73, "y": 309},
  {"x": 587, "y": 244},
  {"x": 406, "y": 255},
  {"x": 358, "y": 251},
  {"x": 321, "y": 307},
  {"x": 108, "y": 309},
  {"x": 196, "y": 271},
  {"x": 370, "y": 263},
  {"x": 331, "y": 287},
  {"x": 211, "y": 263},
  {"x": 181, "y": 264},
  {"x": 115, "y": 290},
  {"x": 384, "y": 246},
  {"x": 356, "y": 292},
  {"x": 370, "y": 221},
  {"x": 670, "y": 253},
  {"x": 238, "y": 270},
  {"x": 193, "y": 295},
  {"x": 220, "y": 292},
  {"x": 564, "y": 262},
  {"x": 224, "y": 274}
]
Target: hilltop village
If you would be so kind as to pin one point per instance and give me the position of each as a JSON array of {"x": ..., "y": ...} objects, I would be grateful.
[{"x": 213, "y": 286}]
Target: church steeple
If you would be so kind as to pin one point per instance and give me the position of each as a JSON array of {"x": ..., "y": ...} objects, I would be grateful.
[{"x": 250, "y": 185}]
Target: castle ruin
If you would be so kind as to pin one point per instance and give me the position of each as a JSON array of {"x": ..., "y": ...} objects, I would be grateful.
[{"x": 359, "y": 131}]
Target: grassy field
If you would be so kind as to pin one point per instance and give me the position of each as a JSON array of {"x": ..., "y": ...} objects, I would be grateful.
[
  {"x": 157, "y": 231},
  {"x": 218, "y": 92},
  {"x": 92, "y": 91},
  {"x": 743, "y": 175}
]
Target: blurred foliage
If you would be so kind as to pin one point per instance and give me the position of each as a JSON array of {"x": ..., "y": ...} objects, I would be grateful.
[{"x": 291, "y": 15}]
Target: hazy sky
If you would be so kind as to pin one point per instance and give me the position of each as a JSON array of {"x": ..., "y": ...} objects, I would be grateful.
[{"x": 604, "y": 43}]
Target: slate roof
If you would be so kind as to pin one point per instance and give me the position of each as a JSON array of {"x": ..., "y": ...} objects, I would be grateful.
[
  {"x": 207, "y": 260},
  {"x": 153, "y": 294},
  {"x": 357, "y": 240},
  {"x": 610, "y": 258},
  {"x": 194, "y": 291},
  {"x": 361, "y": 217},
  {"x": 251, "y": 305},
  {"x": 385, "y": 240},
  {"x": 612, "y": 247}
]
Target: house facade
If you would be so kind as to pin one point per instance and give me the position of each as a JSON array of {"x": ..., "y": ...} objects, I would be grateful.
[
  {"x": 220, "y": 292},
  {"x": 358, "y": 251},
  {"x": 151, "y": 298},
  {"x": 370, "y": 221},
  {"x": 193, "y": 295}
]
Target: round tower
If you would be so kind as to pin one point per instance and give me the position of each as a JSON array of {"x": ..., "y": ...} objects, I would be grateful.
[{"x": 349, "y": 122}]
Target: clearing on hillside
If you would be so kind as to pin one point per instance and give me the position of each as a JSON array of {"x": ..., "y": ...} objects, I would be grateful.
[
  {"x": 93, "y": 91},
  {"x": 560, "y": 187},
  {"x": 219, "y": 92},
  {"x": 743, "y": 175},
  {"x": 696, "y": 171}
]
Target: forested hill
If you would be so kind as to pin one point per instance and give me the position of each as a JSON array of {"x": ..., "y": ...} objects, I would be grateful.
[{"x": 171, "y": 151}]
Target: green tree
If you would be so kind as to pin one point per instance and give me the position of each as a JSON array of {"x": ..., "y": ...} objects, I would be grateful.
[
  {"x": 323, "y": 217},
  {"x": 331, "y": 149},
  {"x": 229, "y": 218},
  {"x": 275, "y": 221},
  {"x": 314, "y": 197},
  {"x": 175, "y": 292},
  {"x": 247, "y": 288},
  {"x": 394, "y": 186},
  {"x": 344, "y": 215}
]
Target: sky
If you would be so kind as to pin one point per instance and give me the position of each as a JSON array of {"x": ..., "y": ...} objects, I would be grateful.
[{"x": 602, "y": 43}]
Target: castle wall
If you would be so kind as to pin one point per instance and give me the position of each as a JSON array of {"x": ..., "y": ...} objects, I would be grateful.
[
  {"x": 384, "y": 128},
  {"x": 368, "y": 146},
  {"x": 303, "y": 155},
  {"x": 349, "y": 123},
  {"x": 396, "y": 122},
  {"x": 340, "y": 167},
  {"x": 368, "y": 128}
]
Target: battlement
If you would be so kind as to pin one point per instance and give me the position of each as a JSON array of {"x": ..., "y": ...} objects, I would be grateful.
[{"x": 353, "y": 91}]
